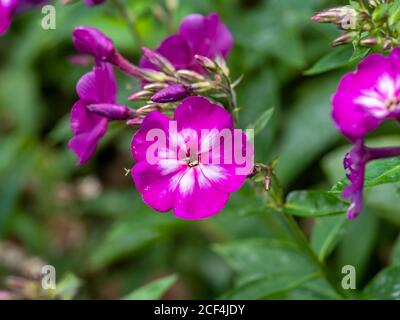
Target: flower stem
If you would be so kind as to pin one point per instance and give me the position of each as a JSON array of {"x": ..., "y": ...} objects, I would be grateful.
[
  {"x": 383, "y": 153},
  {"x": 130, "y": 22}
]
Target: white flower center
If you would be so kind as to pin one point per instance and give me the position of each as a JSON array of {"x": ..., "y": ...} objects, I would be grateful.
[{"x": 383, "y": 99}]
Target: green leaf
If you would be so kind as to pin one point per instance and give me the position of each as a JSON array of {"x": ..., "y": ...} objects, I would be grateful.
[
  {"x": 326, "y": 234},
  {"x": 262, "y": 121},
  {"x": 385, "y": 285},
  {"x": 337, "y": 58},
  {"x": 152, "y": 291},
  {"x": 314, "y": 204},
  {"x": 395, "y": 256},
  {"x": 357, "y": 250},
  {"x": 378, "y": 172},
  {"x": 139, "y": 229},
  {"x": 262, "y": 288},
  {"x": 254, "y": 259},
  {"x": 68, "y": 287}
]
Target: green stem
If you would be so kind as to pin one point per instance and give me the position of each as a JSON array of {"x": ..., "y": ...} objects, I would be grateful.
[
  {"x": 130, "y": 22},
  {"x": 300, "y": 236},
  {"x": 305, "y": 244},
  {"x": 231, "y": 96},
  {"x": 363, "y": 6}
]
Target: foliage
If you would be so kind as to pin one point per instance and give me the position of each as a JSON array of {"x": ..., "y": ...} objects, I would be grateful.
[{"x": 90, "y": 223}]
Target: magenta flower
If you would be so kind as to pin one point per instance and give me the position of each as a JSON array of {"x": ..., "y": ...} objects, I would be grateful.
[
  {"x": 7, "y": 10},
  {"x": 190, "y": 175},
  {"x": 363, "y": 101},
  {"x": 89, "y": 40},
  {"x": 369, "y": 96},
  {"x": 92, "y": 3},
  {"x": 91, "y": 113},
  {"x": 197, "y": 35}
]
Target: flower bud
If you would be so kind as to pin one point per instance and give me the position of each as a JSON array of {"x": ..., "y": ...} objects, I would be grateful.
[
  {"x": 172, "y": 93},
  {"x": 154, "y": 76},
  {"x": 136, "y": 121},
  {"x": 158, "y": 60},
  {"x": 111, "y": 111},
  {"x": 92, "y": 41},
  {"x": 154, "y": 87},
  {"x": 206, "y": 63},
  {"x": 344, "y": 17},
  {"x": 369, "y": 42},
  {"x": 190, "y": 75},
  {"x": 344, "y": 39},
  {"x": 141, "y": 95},
  {"x": 201, "y": 86}
]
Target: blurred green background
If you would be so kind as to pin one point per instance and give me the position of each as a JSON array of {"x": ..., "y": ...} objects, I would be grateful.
[{"x": 90, "y": 223}]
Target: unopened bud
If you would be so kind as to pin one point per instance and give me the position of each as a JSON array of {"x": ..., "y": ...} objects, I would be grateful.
[
  {"x": 148, "y": 108},
  {"x": 267, "y": 182},
  {"x": 158, "y": 60},
  {"x": 172, "y": 93},
  {"x": 387, "y": 44},
  {"x": 199, "y": 87},
  {"x": 344, "y": 39},
  {"x": 154, "y": 87},
  {"x": 154, "y": 76},
  {"x": 137, "y": 121},
  {"x": 369, "y": 42},
  {"x": 344, "y": 17},
  {"x": 189, "y": 75},
  {"x": 140, "y": 95},
  {"x": 111, "y": 111},
  {"x": 206, "y": 63}
]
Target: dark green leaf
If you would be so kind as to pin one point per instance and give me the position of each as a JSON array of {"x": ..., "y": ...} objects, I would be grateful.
[
  {"x": 152, "y": 291},
  {"x": 314, "y": 204}
]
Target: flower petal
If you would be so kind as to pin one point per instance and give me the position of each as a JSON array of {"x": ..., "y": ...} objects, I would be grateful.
[
  {"x": 199, "y": 113},
  {"x": 155, "y": 183},
  {"x": 206, "y": 35},
  {"x": 98, "y": 85},
  {"x": 141, "y": 142},
  {"x": 196, "y": 198},
  {"x": 176, "y": 50},
  {"x": 88, "y": 129},
  {"x": 7, "y": 10}
]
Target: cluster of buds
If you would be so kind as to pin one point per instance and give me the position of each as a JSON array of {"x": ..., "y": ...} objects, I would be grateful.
[
  {"x": 371, "y": 24},
  {"x": 162, "y": 87}
]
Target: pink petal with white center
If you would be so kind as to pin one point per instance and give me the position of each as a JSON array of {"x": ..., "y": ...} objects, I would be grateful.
[
  {"x": 141, "y": 143},
  {"x": 154, "y": 183},
  {"x": 200, "y": 113},
  {"x": 199, "y": 199}
]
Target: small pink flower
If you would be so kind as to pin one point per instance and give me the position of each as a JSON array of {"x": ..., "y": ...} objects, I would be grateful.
[
  {"x": 368, "y": 97},
  {"x": 363, "y": 101},
  {"x": 186, "y": 177},
  {"x": 198, "y": 35},
  {"x": 97, "y": 91}
]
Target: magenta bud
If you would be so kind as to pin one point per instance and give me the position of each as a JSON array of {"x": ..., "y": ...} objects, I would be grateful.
[
  {"x": 89, "y": 40},
  {"x": 172, "y": 93},
  {"x": 136, "y": 121},
  {"x": 91, "y": 3},
  {"x": 111, "y": 111}
]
